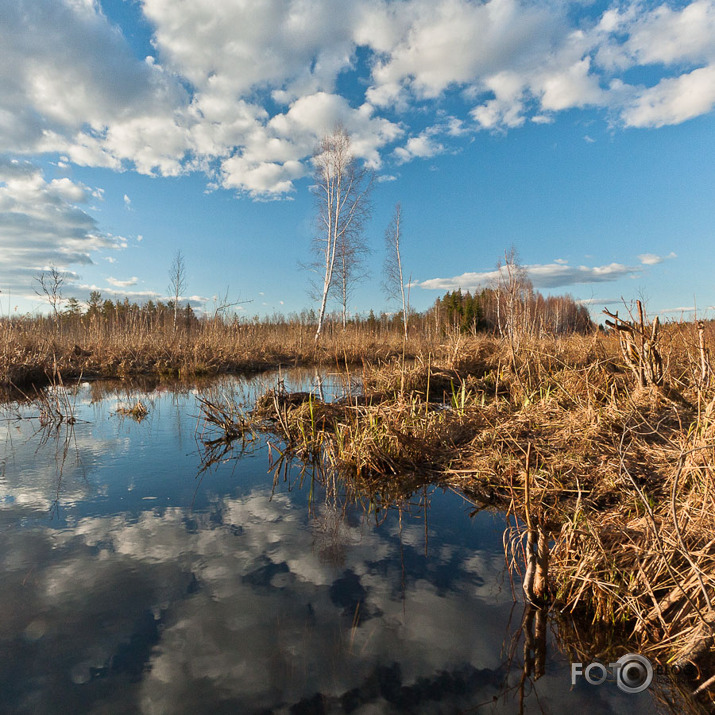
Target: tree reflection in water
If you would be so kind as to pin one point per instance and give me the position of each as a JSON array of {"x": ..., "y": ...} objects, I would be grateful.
[{"x": 515, "y": 682}]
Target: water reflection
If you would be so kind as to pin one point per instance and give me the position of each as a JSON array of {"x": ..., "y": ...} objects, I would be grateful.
[{"x": 130, "y": 586}]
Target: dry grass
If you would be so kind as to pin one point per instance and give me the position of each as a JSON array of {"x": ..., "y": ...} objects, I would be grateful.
[
  {"x": 619, "y": 477},
  {"x": 32, "y": 352}
]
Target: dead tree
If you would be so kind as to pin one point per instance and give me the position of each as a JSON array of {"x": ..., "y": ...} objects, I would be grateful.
[{"x": 638, "y": 343}]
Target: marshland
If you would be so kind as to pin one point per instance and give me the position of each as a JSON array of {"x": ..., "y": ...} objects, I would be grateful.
[
  {"x": 287, "y": 425},
  {"x": 574, "y": 465}
]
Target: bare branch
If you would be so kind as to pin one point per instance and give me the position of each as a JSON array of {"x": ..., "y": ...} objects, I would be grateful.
[{"x": 50, "y": 287}]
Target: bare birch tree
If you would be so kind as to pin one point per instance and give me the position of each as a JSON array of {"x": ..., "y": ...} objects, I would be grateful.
[
  {"x": 177, "y": 281},
  {"x": 50, "y": 287},
  {"x": 342, "y": 192},
  {"x": 394, "y": 282}
]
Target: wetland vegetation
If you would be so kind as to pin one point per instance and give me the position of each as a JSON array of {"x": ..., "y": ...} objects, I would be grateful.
[{"x": 597, "y": 445}]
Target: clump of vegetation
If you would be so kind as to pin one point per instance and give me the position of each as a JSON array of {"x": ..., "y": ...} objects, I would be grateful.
[{"x": 137, "y": 411}]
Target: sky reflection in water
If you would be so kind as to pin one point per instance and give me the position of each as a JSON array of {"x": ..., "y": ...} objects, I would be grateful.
[{"x": 129, "y": 585}]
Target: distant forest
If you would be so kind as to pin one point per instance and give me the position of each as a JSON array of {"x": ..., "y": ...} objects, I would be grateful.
[{"x": 490, "y": 311}]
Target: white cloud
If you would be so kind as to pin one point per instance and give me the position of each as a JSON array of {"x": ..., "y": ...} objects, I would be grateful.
[
  {"x": 674, "y": 100},
  {"x": 274, "y": 155},
  {"x": 242, "y": 91},
  {"x": 42, "y": 224},
  {"x": 682, "y": 309},
  {"x": 570, "y": 86},
  {"x": 506, "y": 109},
  {"x": 82, "y": 291},
  {"x": 123, "y": 284},
  {"x": 530, "y": 57},
  {"x": 67, "y": 75},
  {"x": 688, "y": 309},
  {"x": 235, "y": 47},
  {"x": 668, "y": 36},
  {"x": 551, "y": 275},
  {"x": 599, "y": 301},
  {"x": 259, "y": 178},
  {"x": 422, "y": 147},
  {"x": 652, "y": 259},
  {"x": 455, "y": 42}
]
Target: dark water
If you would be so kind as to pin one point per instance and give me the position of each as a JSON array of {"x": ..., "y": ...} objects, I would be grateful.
[{"x": 130, "y": 585}]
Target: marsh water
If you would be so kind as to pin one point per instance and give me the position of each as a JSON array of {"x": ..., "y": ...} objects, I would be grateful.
[{"x": 135, "y": 578}]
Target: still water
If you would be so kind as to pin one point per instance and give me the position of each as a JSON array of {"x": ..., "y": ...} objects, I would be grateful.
[{"x": 135, "y": 581}]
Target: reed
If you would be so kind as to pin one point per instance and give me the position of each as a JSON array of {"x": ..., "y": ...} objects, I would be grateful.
[{"x": 32, "y": 351}]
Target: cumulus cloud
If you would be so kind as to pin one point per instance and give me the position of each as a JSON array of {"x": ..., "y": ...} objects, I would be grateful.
[
  {"x": 551, "y": 275},
  {"x": 68, "y": 76},
  {"x": 673, "y": 100},
  {"x": 422, "y": 147},
  {"x": 455, "y": 42},
  {"x": 42, "y": 225},
  {"x": 242, "y": 91},
  {"x": 661, "y": 35}
]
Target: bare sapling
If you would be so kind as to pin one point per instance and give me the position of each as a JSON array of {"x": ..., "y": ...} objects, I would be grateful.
[
  {"x": 177, "y": 282},
  {"x": 50, "y": 287}
]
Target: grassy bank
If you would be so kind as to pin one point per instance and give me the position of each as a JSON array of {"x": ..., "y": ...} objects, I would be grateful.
[
  {"x": 36, "y": 352},
  {"x": 611, "y": 479}
]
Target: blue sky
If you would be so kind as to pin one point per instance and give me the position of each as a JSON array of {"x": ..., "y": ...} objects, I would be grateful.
[{"x": 582, "y": 133}]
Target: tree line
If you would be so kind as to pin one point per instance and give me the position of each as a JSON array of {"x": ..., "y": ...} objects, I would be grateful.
[{"x": 456, "y": 311}]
